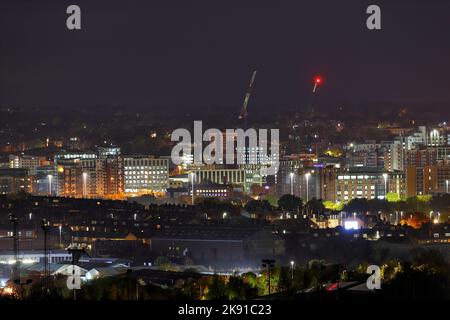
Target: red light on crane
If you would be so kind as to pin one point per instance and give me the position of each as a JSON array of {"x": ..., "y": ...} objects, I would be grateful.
[{"x": 318, "y": 80}]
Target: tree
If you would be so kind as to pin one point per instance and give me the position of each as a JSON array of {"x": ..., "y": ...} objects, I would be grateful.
[
  {"x": 239, "y": 289},
  {"x": 290, "y": 202},
  {"x": 418, "y": 282},
  {"x": 258, "y": 206},
  {"x": 285, "y": 280},
  {"x": 364, "y": 205},
  {"x": 217, "y": 289},
  {"x": 392, "y": 197},
  {"x": 333, "y": 206},
  {"x": 273, "y": 199},
  {"x": 315, "y": 206},
  {"x": 164, "y": 263}
]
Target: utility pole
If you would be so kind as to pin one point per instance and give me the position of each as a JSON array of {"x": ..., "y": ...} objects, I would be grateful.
[
  {"x": 13, "y": 219},
  {"x": 45, "y": 225},
  {"x": 292, "y": 270}
]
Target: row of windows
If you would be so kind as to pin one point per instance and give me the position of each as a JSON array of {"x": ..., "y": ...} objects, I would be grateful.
[
  {"x": 146, "y": 162},
  {"x": 208, "y": 191},
  {"x": 144, "y": 172},
  {"x": 146, "y": 176},
  {"x": 206, "y": 194},
  {"x": 219, "y": 175},
  {"x": 358, "y": 188},
  {"x": 153, "y": 188},
  {"x": 20, "y": 233},
  {"x": 357, "y": 192},
  {"x": 139, "y": 182},
  {"x": 358, "y": 177},
  {"x": 146, "y": 167}
]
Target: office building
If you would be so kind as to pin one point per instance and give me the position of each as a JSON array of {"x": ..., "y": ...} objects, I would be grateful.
[
  {"x": 26, "y": 162},
  {"x": 366, "y": 183},
  {"x": 14, "y": 180},
  {"x": 146, "y": 174}
]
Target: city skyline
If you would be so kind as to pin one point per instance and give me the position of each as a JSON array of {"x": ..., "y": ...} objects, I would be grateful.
[{"x": 197, "y": 152}]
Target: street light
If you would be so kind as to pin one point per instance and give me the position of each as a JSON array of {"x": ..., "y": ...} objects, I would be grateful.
[
  {"x": 49, "y": 177},
  {"x": 60, "y": 235},
  {"x": 307, "y": 175},
  {"x": 292, "y": 182},
  {"x": 85, "y": 184},
  {"x": 446, "y": 185},
  {"x": 192, "y": 184},
  {"x": 385, "y": 177},
  {"x": 292, "y": 269}
]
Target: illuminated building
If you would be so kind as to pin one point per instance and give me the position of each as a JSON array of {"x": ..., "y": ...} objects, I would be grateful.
[
  {"x": 424, "y": 180},
  {"x": 77, "y": 175},
  {"x": 145, "y": 174},
  {"x": 70, "y": 178},
  {"x": 437, "y": 138},
  {"x": 42, "y": 181},
  {"x": 443, "y": 154},
  {"x": 421, "y": 157},
  {"x": 327, "y": 182},
  {"x": 386, "y": 154},
  {"x": 393, "y": 156},
  {"x": 367, "y": 159},
  {"x": 26, "y": 162},
  {"x": 287, "y": 175},
  {"x": 110, "y": 175},
  {"x": 105, "y": 152},
  {"x": 212, "y": 190},
  {"x": 219, "y": 175},
  {"x": 366, "y": 183},
  {"x": 35, "y": 256},
  {"x": 90, "y": 174},
  {"x": 12, "y": 181},
  {"x": 417, "y": 139}
]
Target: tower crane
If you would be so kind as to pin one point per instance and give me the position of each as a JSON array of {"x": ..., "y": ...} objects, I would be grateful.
[{"x": 243, "y": 114}]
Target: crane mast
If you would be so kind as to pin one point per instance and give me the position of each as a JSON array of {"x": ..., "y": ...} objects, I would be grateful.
[{"x": 243, "y": 113}]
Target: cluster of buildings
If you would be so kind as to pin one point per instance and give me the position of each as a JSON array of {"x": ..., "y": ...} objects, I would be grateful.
[
  {"x": 103, "y": 173},
  {"x": 414, "y": 162}
]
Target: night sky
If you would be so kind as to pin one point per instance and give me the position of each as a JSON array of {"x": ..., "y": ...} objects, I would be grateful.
[{"x": 191, "y": 54}]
